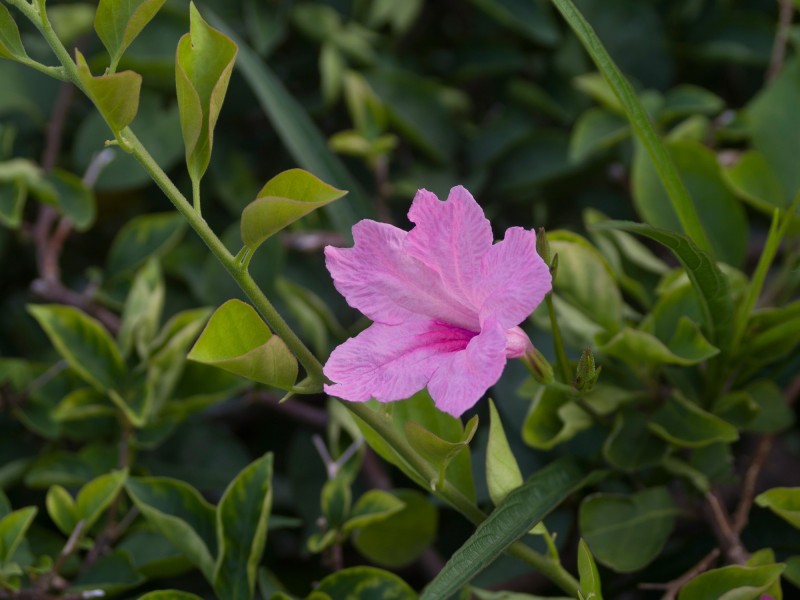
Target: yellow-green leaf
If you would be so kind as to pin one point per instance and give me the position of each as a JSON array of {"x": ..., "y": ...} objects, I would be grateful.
[
  {"x": 116, "y": 96},
  {"x": 203, "y": 68},
  {"x": 118, "y": 22}
]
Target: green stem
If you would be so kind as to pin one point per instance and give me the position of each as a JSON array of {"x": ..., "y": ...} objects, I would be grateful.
[
  {"x": 196, "y": 195},
  {"x": 562, "y": 361},
  {"x": 662, "y": 161},
  {"x": 383, "y": 426},
  {"x": 312, "y": 366}
]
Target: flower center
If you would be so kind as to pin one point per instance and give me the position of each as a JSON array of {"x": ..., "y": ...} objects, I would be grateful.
[{"x": 448, "y": 338}]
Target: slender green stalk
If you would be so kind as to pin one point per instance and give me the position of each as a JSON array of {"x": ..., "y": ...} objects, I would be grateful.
[
  {"x": 196, "y": 195},
  {"x": 562, "y": 361},
  {"x": 777, "y": 231},
  {"x": 662, "y": 161}
]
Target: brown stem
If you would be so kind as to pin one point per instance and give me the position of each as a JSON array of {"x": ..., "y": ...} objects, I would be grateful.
[
  {"x": 671, "y": 588},
  {"x": 785, "y": 16},
  {"x": 750, "y": 481},
  {"x": 723, "y": 529}
]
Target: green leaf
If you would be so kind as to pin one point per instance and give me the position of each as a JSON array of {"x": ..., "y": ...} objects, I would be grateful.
[
  {"x": 144, "y": 237},
  {"x": 13, "y": 195},
  {"x": 676, "y": 191},
  {"x": 437, "y": 451},
  {"x": 700, "y": 171},
  {"x": 684, "y": 424},
  {"x": 585, "y": 281},
  {"x": 300, "y": 135},
  {"x": 502, "y": 471},
  {"x": 180, "y": 514},
  {"x": 61, "y": 508},
  {"x": 774, "y": 414},
  {"x": 734, "y": 582},
  {"x": 553, "y": 418},
  {"x": 112, "y": 573},
  {"x": 75, "y": 200},
  {"x": 336, "y": 499},
  {"x": 97, "y": 495},
  {"x": 626, "y": 533},
  {"x": 412, "y": 530},
  {"x": 772, "y": 127},
  {"x": 708, "y": 280},
  {"x": 365, "y": 583},
  {"x": 587, "y": 569},
  {"x": 686, "y": 100},
  {"x": 116, "y": 96},
  {"x": 753, "y": 180},
  {"x": 118, "y": 22},
  {"x": 142, "y": 311},
  {"x": 784, "y": 502},
  {"x": 284, "y": 199},
  {"x": 596, "y": 130},
  {"x": 372, "y": 507},
  {"x": 237, "y": 339},
  {"x": 83, "y": 343},
  {"x": 521, "y": 510},
  {"x": 242, "y": 517},
  {"x": 203, "y": 69},
  {"x": 687, "y": 347},
  {"x": 13, "y": 528},
  {"x": 10, "y": 42},
  {"x": 631, "y": 445}
]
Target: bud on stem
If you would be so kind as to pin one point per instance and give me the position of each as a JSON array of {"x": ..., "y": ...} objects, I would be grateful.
[
  {"x": 587, "y": 372},
  {"x": 538, "y": 366}
]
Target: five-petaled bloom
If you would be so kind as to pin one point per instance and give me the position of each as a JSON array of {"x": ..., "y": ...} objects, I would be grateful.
[{"x": 445, "y": 301}]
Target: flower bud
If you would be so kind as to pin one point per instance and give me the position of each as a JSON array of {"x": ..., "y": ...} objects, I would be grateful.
[
  {"x": 543, "y": 246},
  {"x": 538, "y": 366},
  {"x": 587, "y": 373}
]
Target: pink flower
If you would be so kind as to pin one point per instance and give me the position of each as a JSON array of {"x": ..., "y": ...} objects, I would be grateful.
[{"x": 445, "y": 301}]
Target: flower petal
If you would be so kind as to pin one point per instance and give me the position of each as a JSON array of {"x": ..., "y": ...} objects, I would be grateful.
[
  {"x": 392, "y": 362},
  {"x": 514, "y": 279},
  {"x": 451, "y": 237},
  {"x": 378, "y": 277},
  {"x": 463, "y": 377}
]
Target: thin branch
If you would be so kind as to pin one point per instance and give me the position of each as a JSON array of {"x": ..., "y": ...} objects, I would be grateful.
[
  {"x": 750, "y": 481},
  {"x": 727, "y": 536},
  {"x": 785, "y": 17},
  {"x": 671, "y": 588}
]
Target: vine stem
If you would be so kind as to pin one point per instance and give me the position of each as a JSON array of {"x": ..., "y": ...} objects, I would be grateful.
[
  {"x": 377, "y": 421},
  {"x": 558, "y": 342}
]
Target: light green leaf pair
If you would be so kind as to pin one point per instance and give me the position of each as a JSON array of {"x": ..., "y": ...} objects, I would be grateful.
[
  {"x": 203, "y": 69},
  {"x": 116, "y": 96},
  {"x": 237, "y": 339},
  {"x": 118, "y": 22},
  {"x": 284, "y": 199},
  {"x": 94, "y": 497}
]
